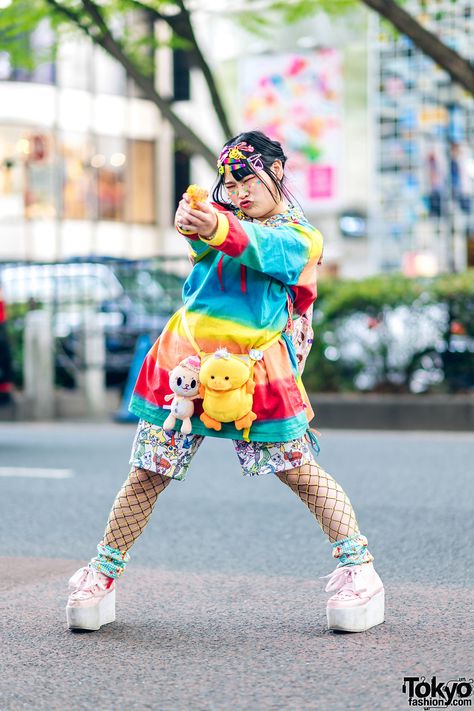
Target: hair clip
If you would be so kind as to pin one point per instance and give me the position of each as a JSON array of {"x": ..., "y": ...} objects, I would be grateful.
[
  {"x": 233, "y": 157},
  {"x": 245, "y": 147},
  {"x": 256, "y": 161}
]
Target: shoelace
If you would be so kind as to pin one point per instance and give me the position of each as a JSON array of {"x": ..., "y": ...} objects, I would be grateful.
[
  {"x": 85, "y": 579},
  {"x": 345, "y": 579}
]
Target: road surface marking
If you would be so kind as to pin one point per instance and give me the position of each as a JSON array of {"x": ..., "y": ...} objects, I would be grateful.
[{"x": 36, "y": 473}]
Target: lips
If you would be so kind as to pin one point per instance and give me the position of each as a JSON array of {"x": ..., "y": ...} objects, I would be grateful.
[{"x": 245, "y": 203}]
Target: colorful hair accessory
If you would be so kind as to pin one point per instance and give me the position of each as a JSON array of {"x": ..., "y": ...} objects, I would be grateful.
[{"x": 233, "y": 157}]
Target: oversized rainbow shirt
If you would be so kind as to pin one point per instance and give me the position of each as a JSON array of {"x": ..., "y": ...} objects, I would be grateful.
[{"x": 236, "y": 297}]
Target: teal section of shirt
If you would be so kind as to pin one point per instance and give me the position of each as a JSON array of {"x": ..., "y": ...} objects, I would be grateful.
[
  {"x": 274, "y": 431},
  {"x": 252, "y": 299}
]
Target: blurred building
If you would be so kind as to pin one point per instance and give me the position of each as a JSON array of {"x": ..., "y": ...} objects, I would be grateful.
[
  {"x": 304, "y": 84},
  {"x": 88, "y": 167},
  {"x": 422, "y": 191},
  {"x": 79, "y": 149}
]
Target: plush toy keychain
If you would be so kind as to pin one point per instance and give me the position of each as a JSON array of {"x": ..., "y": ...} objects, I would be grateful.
[
  {"x": 227, "y": 389},
  {"x": 184, "y": 382}
]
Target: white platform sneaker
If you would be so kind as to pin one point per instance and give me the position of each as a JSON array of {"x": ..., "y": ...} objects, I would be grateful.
[
  {"x": 91, "y": 603},
  {"x": 359, "y": 602}
]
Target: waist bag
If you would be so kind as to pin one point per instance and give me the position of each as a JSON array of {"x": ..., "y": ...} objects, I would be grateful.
[{"x": 226, "y": 384}]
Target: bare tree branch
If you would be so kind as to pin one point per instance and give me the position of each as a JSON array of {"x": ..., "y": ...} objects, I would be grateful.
[
  {"x": 181, "y": 25},
  {"x": 71, "y": 15},
  {"x": 104, "y": 38},
  {"x": 198, "y": 56}
]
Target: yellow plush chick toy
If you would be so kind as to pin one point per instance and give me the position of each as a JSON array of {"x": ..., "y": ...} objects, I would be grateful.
[
  {"x": 196, "y": 194},
  {"x": 226, "y": 389}
]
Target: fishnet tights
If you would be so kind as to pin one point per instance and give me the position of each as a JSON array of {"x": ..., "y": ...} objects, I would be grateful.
[
  {"x": 325, "y": 499},
  {"x": 132, "y": 508}
]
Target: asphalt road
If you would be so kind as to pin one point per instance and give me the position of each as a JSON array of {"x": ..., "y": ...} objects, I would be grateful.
[{"x": 221, "y": 607}]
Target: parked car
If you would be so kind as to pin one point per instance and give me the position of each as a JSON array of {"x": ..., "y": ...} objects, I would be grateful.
[{"x": 127, "y": 308}]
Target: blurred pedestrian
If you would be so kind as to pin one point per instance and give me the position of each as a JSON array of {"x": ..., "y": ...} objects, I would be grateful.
[{"x": 254, "y": 277}]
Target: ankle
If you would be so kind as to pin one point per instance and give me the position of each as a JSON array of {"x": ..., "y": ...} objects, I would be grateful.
[
  {"x": 110, "y": 561},
  {"x": 352, "y": 550}
]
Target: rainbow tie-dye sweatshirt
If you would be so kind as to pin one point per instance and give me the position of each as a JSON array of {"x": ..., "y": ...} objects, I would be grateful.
[{"x": 236, "y": 297}]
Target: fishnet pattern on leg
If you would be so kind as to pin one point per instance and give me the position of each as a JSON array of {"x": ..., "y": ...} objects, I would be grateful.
[
  {"x": 325, "y": 499},
  {"x": 132, "y": 508}
]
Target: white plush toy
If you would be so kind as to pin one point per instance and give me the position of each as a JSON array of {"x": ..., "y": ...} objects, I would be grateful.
[{"x": 184, "y": 382}]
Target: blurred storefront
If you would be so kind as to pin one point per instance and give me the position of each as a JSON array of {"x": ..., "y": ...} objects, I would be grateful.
[
  {"x": 79, "y": 157},
  {"x": 422, "y": 210}
]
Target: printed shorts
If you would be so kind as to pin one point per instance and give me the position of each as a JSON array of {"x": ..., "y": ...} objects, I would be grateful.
[{"x": 170, "y": 453}]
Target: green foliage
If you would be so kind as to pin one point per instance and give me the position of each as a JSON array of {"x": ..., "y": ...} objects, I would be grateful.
[
  {"x": 444, "y": 304},
  {"x": 20, "y": 19},
  {"x": 263, "y": 22},
  {"x": 348, "y": 296},
  {"x": 17, "y": 21},
  {"x": 255, "y": 23},
  {"x": 297, "y": 10}
]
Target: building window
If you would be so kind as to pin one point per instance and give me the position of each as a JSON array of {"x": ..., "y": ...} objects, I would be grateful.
[
  {"x": 182, "y": 174},
  {"x": 76, "y": 177},
  {"x": 12, "y": 172},
  {"x": 109, "y": 76},
  {"x": 27, "y": 174},
  {"x": 109, "y": 161},
  {"x": 78, "y": 191},
  {"x": 41, "y": 196},
  {"x": 141, "y": 182},
  {"x": 75, "y": 64},
  {"x": 181, "y": 76}
]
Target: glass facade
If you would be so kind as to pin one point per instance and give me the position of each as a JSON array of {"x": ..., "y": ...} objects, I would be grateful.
[
  {"x": 141, "y": 182},
  {"x": 89, "y": 155},
  {"x": 424, "y": 146},
  {"x": 76, "y": 176},
  {"x": 27, "y": 174}
]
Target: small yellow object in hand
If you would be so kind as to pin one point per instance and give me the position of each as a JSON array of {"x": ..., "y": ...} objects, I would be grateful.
[{"x": 196, "y": 194}]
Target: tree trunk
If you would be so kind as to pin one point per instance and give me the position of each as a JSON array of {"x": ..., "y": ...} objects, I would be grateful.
[
  {"x": 460, "y": 70},
  {"x": 185, "y": 29}
]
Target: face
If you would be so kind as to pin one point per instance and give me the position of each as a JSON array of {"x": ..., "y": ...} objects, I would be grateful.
[
  {"x": 256, "y": 195},
  {"x": 184, "y": 382},
  {"x": 222, "y": 374}
]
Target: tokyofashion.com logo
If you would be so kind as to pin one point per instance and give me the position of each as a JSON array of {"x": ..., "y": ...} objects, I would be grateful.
[{"x": 437, "y": 694}]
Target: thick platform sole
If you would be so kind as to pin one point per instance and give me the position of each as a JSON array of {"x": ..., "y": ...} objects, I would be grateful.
[
  {"x": 92, "y": 618},
  {"x": 358, "y": 619}
]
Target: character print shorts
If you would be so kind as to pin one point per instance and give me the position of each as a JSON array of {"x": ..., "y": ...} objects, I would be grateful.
[{"x": 170, "y": 453}]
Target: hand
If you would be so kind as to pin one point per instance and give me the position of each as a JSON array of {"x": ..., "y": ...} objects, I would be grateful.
[{"x": 202, "y": 219}]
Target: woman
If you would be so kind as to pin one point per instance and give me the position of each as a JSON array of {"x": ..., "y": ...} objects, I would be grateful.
[{"x": 254, "y": 278}]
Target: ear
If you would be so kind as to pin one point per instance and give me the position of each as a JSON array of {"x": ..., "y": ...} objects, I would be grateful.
[{"x": 277, "y": 167}]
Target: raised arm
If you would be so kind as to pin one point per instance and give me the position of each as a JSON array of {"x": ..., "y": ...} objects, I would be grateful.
[{"x": 282, "y": 252}]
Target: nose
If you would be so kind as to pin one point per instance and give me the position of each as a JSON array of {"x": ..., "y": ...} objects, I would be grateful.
[{"x": 242, "y": 190}]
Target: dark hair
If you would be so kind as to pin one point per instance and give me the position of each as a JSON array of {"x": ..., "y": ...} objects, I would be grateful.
[{"x": 270, "y": 151}]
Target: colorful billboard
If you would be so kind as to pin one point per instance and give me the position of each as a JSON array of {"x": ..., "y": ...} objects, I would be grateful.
[{"x": 297, "y": 100}]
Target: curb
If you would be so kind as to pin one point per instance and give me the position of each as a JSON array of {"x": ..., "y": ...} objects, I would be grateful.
[{"x": 394, "y": 412}]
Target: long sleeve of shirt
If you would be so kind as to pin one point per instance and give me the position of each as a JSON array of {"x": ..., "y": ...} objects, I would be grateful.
[{"x": 281, "y": 252}]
